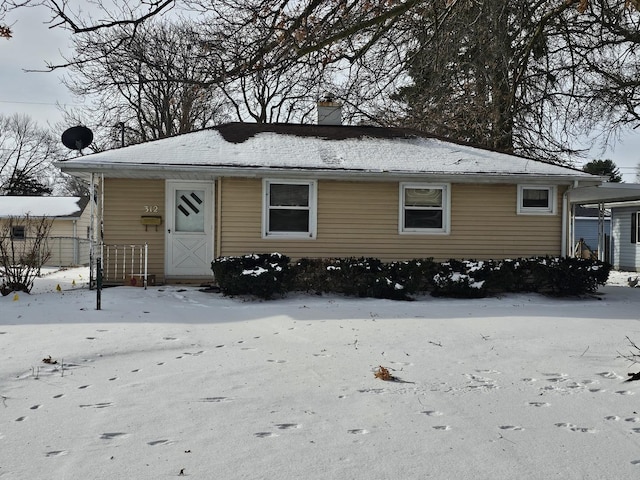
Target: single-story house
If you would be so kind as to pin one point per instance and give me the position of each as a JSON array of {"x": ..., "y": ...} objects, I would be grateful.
[
  {"x": 322, "y": 191},
  {"x": 68, "y": 240}
]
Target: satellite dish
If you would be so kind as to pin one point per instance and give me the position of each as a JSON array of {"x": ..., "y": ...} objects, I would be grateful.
[{"x": 77, "y": 138}]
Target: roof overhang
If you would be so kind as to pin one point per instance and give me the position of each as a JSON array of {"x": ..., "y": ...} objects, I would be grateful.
[
  {"x": 605, "y": 193},
  {"x": 211, "y": 172}
]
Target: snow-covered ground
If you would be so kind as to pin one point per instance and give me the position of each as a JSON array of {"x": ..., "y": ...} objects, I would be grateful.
[{"x": 173, "y": 382}]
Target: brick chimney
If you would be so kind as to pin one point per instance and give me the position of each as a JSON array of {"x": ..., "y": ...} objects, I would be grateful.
[{"x": 329, "y": 111}]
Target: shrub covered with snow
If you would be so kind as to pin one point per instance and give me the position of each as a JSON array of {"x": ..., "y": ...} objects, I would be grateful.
[
  {"x": 263, "y": 275},
  {"x": 362, "y": 277},
  {"x": 268, "y": 274},
  {"x": 564, "y": 276},
  {"x": 457, "y": 278}
]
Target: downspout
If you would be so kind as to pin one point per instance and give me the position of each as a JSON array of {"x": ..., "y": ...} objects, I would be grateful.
[
  {"x": 92, "y": 214},
  {"x": 218, "y": 218},
  {"x": 567, "y": 231}
]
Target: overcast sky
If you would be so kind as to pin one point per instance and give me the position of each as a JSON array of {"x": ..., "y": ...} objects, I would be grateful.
[{"x": 39, "y": 94}]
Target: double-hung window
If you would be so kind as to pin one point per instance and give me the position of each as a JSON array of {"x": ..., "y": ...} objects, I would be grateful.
[
  {"x": 289, "y": 209},
  {"x": 536, "y": 200},
  {"x": 424, "y": 208}
]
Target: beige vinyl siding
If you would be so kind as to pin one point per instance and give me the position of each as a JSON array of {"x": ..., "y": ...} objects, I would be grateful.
[
  {"x": 67, "y": 243},
  {"x": 125, "y": 201},
  {"x": 361, "y": 219}
]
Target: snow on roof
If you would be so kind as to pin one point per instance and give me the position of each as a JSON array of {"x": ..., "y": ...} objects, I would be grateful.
[
  {"x": 327, "y": 148},
  {"x": 41, "y": 206}
]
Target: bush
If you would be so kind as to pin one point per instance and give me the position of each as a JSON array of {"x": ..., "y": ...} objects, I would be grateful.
[
  {"x": 360, "y": 277},
  {"x": 309, "y": 275},
  {"x": 265, "y": 275},
  {"x": 22, "y": 258},
  {"x": 262, "y": 275},
  {"x": 565, "y": 276},
  {"x": 457, "y": 278}
]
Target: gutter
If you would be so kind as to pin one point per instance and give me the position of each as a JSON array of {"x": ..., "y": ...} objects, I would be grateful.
[{"x": 202, "y": 172}]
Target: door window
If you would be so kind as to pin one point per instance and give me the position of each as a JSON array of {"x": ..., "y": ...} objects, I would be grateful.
[{"x": 189, "y": 210}]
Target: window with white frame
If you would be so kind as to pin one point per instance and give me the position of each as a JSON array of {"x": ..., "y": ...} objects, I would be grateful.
[
  {"x": 424, "y": 208},
  {"x": 289, "y": 209},
  {"x": 536, "y": 200}
]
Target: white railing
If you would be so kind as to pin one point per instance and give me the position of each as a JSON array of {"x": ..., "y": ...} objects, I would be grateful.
[{"x": 125, "y": 264}]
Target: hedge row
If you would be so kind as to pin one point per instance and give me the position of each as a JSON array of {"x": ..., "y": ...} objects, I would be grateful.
[{"x": 270, "y": 274}]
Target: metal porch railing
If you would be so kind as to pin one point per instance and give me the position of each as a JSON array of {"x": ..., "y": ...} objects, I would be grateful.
[{"x": 125, "y": 264}]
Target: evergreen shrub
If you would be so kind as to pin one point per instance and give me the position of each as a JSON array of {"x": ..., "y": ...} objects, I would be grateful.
[
  {"x": 266, "y": 275},
  {"x": 263, "y": 275}
]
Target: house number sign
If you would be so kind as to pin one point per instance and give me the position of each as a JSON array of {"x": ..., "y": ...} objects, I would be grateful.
[{"x": 151, "y": 209}]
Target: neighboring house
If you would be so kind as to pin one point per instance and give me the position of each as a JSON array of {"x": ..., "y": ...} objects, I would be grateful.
[
  {"x": 68, "y": 240},
  {"x": 625, "y": 227},
  {"x": 324, "y": 191},
  {"x": 623, "y": 200}
]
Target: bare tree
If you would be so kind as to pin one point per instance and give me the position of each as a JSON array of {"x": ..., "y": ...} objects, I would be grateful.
[
  {"x": 26, "y": 154},
  {"x": 548, "y": 72},
  {"x": 149, "y": 87},
  {"x": 23, "y": 251}
]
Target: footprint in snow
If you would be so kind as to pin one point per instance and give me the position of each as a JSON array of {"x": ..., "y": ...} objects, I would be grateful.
[
  {"x": 288, "y": 426},
  {"x": 56, "y": 453},
  {"x": 610, "y": 375},
  {"x": 539, "y": 404},
  {"x": 264, "y": 434},
  {"x": 112, "y": 435},
  {"x": 35, "y": 407},
  {"x": 160, "y": 442},
  {"x": 575, "y": 428},
  {"x": 215, "y": 399},
  {"x": 432, "y": 413}
]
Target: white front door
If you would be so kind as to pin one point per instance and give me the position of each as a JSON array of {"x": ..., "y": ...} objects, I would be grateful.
[{"x": 189, "y": 247}]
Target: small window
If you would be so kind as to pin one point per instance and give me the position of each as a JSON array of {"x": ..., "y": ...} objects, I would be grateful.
[
  {"x": 635, "y": 227},
  {"x": 424, "y": 208},
  {"x": 536, "y": 200},
  {"x": 289, "y": 209},
  {"x": 17, "y": 232}
]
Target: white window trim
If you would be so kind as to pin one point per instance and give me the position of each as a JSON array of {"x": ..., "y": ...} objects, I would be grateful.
[
  {"x": 313, "y": 210},
  {"x": 446, "y": 210},
  {"x": 553, "y": 200}
]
